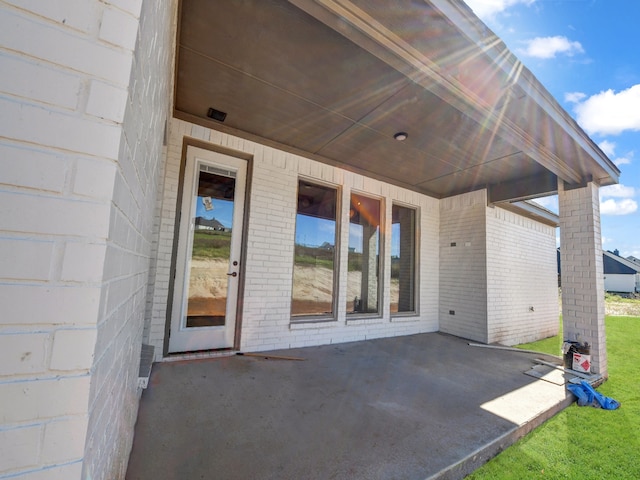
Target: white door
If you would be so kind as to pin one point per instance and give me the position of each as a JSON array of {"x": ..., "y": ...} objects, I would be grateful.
[{"x": 205, "y": 298}]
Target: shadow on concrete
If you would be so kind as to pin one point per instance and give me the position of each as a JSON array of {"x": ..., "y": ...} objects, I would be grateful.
[{"x": 414, "y": 407}]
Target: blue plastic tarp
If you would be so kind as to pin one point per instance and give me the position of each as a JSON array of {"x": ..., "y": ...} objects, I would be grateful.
[{"x": 587, "y": 395}]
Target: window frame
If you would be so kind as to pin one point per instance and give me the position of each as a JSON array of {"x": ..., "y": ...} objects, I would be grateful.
[
  {"x": 382, "y": 257},
  {"x": 297, "y": 319},
  {"x": 416, "y": 262}
]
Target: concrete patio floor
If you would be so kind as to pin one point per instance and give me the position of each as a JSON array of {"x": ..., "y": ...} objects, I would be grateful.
[{"x": 415, "y": 407}]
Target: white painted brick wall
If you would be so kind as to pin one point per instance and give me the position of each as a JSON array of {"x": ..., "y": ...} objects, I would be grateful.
[
  {"x": 463, "y": 270},
  {"x": 44, "y": 126},
  {"x": 44, "y": 382},
  {"x": 52, "y": 215},
  {"x": 22, "y": 30},
  {"x": 113, "y": 404},
  {"x": 80, "y": 342},
  {"x": 81, "y": 15},
  {"x": 266, "y": 321},
  {"x": 30, "y": 168},
  {"x": 521, "y": 275},
  {"x": 17, "y": 448},
  {"x": 28, "y": 81},
  {"x": 23, "y": 353},
  {"x": 79, "y": 155},
  {"x": 63, "y": 440},
  {"x": 41, "y": 399},
  {"x": 38, "y": 304},
  {"x": 501, "y": 265},
  {"x": 25, "y": 259},
  {"x": 119, "y": 27}
]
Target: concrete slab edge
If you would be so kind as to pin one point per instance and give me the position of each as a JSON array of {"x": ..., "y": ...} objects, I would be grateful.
[{"x": 476, "y": 459}]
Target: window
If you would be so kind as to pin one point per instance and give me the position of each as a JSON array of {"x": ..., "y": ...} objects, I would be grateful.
[
  {"x": 403, "y": 259},
  {"x": 315, "y": 250},
  {"x": 363, "y": 281}
]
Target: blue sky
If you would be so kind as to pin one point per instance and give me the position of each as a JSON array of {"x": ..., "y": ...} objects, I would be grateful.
[
  {"x": 586, "y": 53},
  {"x": 222, "y": 211}
]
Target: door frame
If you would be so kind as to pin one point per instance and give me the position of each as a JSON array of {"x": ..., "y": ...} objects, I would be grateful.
[{"x": 192, "y": 142}]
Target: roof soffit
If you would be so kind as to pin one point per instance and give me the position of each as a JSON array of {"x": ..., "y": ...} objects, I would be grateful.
[
  {"x": 354, "y": 19},
  {"x": 335, "y": 79}
]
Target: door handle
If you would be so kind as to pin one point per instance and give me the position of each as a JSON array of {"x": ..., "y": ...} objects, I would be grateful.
[{"x": 232, "y": 274}]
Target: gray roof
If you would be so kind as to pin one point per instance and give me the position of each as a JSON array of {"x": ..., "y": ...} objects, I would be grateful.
[{"x": 613, "y": 264}]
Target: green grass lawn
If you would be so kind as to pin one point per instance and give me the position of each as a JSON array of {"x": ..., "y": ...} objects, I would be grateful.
[
  {"x": 584, "y": 443},
  {"x": 211, "y": 244}
]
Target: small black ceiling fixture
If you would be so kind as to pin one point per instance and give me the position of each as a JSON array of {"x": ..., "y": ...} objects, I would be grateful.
[
  {"x": 216, "y": 114},
  {"x": 401, "y": 136}
]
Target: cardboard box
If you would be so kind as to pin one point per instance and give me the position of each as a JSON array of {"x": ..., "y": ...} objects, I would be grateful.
[{"x": 581, "y": 363}]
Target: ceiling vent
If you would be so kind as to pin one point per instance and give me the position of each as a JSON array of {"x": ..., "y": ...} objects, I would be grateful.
[{"x": 216, "y": 115}]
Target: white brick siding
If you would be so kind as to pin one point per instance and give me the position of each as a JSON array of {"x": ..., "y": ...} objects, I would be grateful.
[
  {"x": 463, "y": 266},
  {"x": 81, "y": 140},
  {"x": 501, "y": 265},
  {"x": 583, "y": 271},
  {"x": 266, "y": 304},
  {"x": 113, "y": 404},
  {"x": 31, "y": 168},
  {"x": 33, "y": 401},
  {"x": 522, "y": 286}
]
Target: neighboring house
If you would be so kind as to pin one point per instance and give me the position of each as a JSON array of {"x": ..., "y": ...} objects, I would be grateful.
[
  {"x": 620, "y": 275},
  {"x": 406, "y": 139},
  {"x": 202, "y": 223},
  {"x": 633, "y": 259}
]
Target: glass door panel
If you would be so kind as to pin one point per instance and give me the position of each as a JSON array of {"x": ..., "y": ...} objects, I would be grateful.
[{"x": 210, "y": 250}]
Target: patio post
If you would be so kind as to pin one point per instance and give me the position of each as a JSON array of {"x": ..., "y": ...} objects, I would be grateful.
[{"x": 582, "y": 271}]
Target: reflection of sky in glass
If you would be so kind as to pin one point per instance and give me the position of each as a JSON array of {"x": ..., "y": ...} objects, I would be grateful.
[
  {"x": 355, "y": 237},
  {"x": 313, "y": 231},
  {"x": 395, "y": 240},
  {"x": 222, "y": 211}
]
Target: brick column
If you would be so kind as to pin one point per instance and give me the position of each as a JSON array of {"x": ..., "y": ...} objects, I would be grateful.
[{"x": 582, "y": 270}]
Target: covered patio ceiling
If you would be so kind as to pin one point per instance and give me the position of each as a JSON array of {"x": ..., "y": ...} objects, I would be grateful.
[{"x": 336, "y": 79}]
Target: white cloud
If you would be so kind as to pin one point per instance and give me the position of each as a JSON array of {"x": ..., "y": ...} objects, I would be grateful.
[
  {"x": 622, "y": 161},
  {"x": 574, "y": 97},
  {"x": 618, "y": 200},
  {"x": 614, "y": 200},
  {"x": 618, "y": 207},
  {"x": 549, "y": 47},
  {"x": 625, "y": 159},
  {"x": 610, "y": 113},
  {"x": 617, "y": 191},
  {"x": 609, "y": 148},
  {"x": 489, "y": 8}
]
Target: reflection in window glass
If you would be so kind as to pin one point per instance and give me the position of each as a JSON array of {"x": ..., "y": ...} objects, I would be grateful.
[
  {"x": 313, "y": 266},
  {"x": 403, "y": 254},
  {"x": 210, "y": 250},
  {"x": 363, "y": 285}
]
